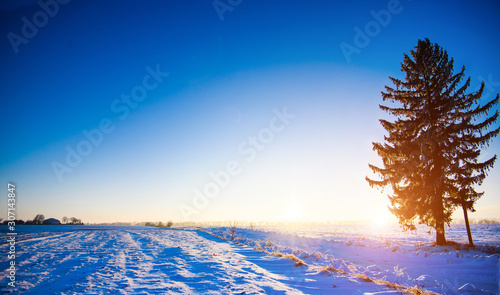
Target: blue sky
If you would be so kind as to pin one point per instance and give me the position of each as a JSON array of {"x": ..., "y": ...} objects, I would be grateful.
[{"x": 229, "y": 72}]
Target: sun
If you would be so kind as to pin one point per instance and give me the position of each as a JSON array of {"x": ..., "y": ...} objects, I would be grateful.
[{"x": 293, "y": 212}]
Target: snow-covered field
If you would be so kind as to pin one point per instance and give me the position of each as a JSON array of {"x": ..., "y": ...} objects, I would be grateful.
[
  {"x": 263, "y": 260},
  {"x": 389, "y": 254}
]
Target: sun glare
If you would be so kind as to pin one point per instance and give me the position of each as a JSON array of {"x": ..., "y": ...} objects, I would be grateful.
[{"x": 293, "y": 212}]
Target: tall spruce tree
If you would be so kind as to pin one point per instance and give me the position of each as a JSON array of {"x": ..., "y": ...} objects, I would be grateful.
[{"x": 431, "y": 153}]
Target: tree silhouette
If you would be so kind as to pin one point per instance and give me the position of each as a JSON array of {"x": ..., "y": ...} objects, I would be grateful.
[
  {"x": 65, "y": 220},
  {"x": 430, "y": 156},
  {"x": 39, "y": 218}
]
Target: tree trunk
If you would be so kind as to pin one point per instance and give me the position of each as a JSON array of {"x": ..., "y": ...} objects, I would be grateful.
[
  {"x": 467, "y": 225},
  {"x": 439, "y": 217},
  {"x": 440, "y": 238}
]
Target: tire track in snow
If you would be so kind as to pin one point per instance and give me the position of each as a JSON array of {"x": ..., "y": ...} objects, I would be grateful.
[
  {"x": 42, "y": 263},
  {"x": 213, "y": 266}
]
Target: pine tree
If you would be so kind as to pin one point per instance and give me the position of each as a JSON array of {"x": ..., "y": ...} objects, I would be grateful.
[{"x": 430, "y": 155}]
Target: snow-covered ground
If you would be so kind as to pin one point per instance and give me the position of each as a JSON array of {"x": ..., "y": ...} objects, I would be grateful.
[
  {"x": 387, "y": 253},
  {"x": 142, "y": 260}
]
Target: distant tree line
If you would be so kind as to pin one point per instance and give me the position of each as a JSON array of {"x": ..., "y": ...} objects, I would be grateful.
[
  {"x": 118, "y": 223},
  {"x": 142, "y": 223},
  {"x": 159, "y": 224},
  {"x": 40, "y": 220},
  {"x": 71, "y": 220}
]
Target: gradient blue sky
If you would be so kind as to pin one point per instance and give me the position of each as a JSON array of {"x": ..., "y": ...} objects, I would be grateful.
[{"x": 226, "y": 78}]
